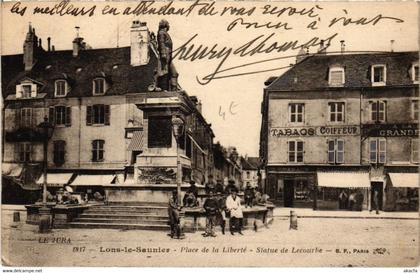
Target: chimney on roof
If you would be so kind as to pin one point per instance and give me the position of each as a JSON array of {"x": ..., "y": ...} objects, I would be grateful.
[
  {"x": 392, "y": 45},
  {"x": 343, "y": 46},
  {"x": 52, "y": 48},
  {"x": 78, "y": 43},
  {"x": 199, "y": 106},
  {"x": 322, "y": 48},
  {"x": 139, "y": 43},
  {"x": 302, "y": 54},
  {"x": 31, "y": 48},
  {"x": 49, "y": 43}
]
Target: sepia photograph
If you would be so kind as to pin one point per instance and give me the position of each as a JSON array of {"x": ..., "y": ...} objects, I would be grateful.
[{"x": 209, "y": 134}]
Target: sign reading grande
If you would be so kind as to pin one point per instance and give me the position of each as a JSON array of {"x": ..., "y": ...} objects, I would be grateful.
[
  {"x": 390, "y": 130},
  {"x": 349, "y": 130}
]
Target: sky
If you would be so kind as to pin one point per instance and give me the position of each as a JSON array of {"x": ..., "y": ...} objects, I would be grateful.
[{"x": 231, "y": 104}]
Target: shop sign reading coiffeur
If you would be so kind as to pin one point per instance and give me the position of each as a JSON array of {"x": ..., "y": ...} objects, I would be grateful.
[{"x": 349, "y": 130}]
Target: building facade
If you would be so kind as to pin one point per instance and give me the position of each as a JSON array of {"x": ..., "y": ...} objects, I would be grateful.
[
  {"x": 227, "y": 165},
  {"x": 251, "y": 171},
  {"x": 111, "y": 119},
  {"x": 338, "y": 123}
]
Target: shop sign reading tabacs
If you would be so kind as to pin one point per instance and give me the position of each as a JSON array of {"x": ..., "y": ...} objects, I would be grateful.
[{"x": 349, "y": 130}]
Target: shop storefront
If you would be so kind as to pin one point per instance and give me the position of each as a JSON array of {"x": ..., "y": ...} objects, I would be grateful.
[
  {"x": 402, "y": 192},
  {"x": 343, "y": 190},
  {"x": 291, "y": 189}
]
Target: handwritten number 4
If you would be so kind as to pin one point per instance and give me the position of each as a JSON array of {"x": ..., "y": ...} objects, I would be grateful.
[{"x": 231, "y": 110}]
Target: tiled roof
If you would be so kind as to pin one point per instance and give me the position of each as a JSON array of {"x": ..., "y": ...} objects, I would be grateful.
[
  {"x": 114, "y": 63},
  {"x": 312, "y": 72},
  {"x": 250, "y": 163}
]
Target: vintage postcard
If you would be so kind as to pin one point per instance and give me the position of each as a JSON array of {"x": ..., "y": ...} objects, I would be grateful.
[{"x": 210, "y": 134}]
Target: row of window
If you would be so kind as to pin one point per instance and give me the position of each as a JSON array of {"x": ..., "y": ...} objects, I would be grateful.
[
  {"x": 337, "y": 113},
  {"x": 98, "y": 114},
  {"x": 336, "y": 78},
  {"x": 61, "y": 88},
  {"x": 25, "y": 151},
  {"x": 377, "y": 151},
  {"x": 336, "y": 75},
  {"x": 296, "y": 151}
]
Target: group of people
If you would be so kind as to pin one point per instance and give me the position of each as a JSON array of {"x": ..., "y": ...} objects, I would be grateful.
[
  {"x": 221, "y": 203},
  {"x": 350, "y": 201}
]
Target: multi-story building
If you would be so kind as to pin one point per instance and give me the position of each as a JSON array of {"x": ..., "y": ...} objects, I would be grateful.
[
  {"x": 112, "y": 121},
  {"x": 251, "y": 171},
  {"x": 227, "y": 165},
  {"x": 342, "y": 122}
]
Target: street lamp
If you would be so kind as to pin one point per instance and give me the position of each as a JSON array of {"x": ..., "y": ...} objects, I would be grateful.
[
  {"x": 178, "y": 131},
  {"x": 44, "y": 212}
]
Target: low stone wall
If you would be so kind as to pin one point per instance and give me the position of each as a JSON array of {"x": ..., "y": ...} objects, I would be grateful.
[
  {"x": 144, "y": 193},
  {"x": 61, "y": 214},
  {"x": 255, "y": 217}
]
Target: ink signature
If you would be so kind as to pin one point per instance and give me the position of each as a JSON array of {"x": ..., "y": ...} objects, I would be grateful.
[{"x": 262, "y": 44}]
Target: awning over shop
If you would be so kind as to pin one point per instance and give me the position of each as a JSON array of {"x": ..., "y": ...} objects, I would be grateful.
[
  {"x": 136, "y": 143},
  {"x": 11, "y": 169},
  {"x": 343, "y": 179},
  {"x": 197, "y": 145},
  {"x": 93, "y": 180},
  {"x": 404, "y": 180},
  {"x": 55, "y": 179}
]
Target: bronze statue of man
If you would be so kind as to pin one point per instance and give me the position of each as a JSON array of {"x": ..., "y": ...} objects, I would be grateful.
[{"x": 167, "y": 74}]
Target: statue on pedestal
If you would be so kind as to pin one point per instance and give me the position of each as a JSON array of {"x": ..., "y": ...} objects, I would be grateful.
[{"x": 167, "y": 76}]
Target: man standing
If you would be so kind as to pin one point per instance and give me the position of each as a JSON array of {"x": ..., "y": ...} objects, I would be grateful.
[
  {"x": 221, "y": 215},
  {"x": 219, "y": 186},
  {"x": 230, "y": 187},
  {"x": 233, "y": 204},
  {"x": 211, "y": 207},
  {"x": 173, "y": 212},
  {"x": 376, "y": 201},
  {"x": 248, "y": 195},
  {"x": 343, "y": 200},
  {"x": 210, "y": 185}
]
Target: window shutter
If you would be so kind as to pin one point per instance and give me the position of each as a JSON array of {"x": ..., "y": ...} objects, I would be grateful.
[
  {"x": 17, "y": 152},
  {"x": 55, "y": 152},
  {"x": 89, "y": 116},
  {"x": 327, "y": 75},
  {"x": 331, "y": 151},
  {"x": 51, "y": 115},
  {"x": 385, "y": 111},
  {"x": 93, "y": 150},
  {"x": 369, "y": 73},
  {"x": 68, "y": 116},
  {"x": 18, "y": 91},
  {"x": 18, "y": 116},
  {"x": 107, "y": 114},
  {"x": 31, "y": 152},
  {"x": 32, "y": 117},
  {"x": 33, "y": 90}
]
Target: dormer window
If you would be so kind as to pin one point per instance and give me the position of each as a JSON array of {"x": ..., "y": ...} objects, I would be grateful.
[
  {"x": 378, "y": 75},
  {"x": 61, "y": 88},
  {"x": 99, "y": 86},
  {"x": 336, "y": 76},
  {"x": 26, "y": 90},
  {"x": 415, "y": 73}
]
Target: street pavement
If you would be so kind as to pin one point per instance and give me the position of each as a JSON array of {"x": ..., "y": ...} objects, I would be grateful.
[{"x": 322, "y": 241}]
